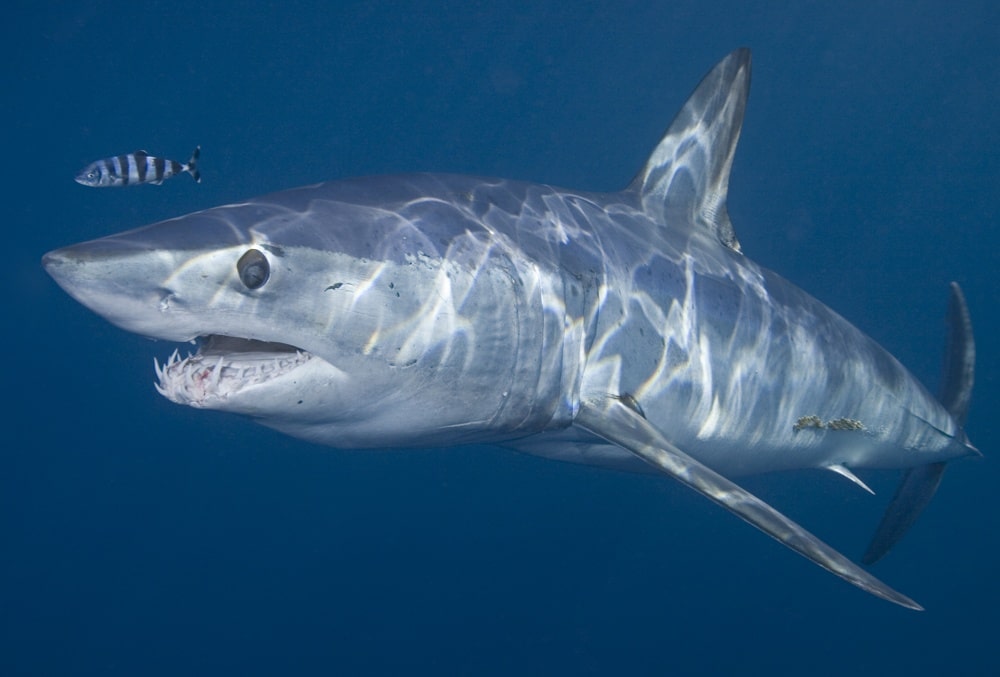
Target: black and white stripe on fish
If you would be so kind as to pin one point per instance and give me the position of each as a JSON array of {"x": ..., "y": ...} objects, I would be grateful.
[{"x": 136, "y": 168}]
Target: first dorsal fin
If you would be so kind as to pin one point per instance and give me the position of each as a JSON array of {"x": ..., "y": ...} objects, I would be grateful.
[{"x": 687, "y": 176}]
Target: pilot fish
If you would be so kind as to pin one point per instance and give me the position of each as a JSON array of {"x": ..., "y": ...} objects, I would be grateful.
[{"x": 136, "y": 168}]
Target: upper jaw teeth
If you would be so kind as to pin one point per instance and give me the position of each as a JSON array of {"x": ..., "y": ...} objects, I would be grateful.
[{"x": 171, "y": 361}]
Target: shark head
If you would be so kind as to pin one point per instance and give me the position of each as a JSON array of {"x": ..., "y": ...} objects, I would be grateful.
[{"x": 334, "y": 315}]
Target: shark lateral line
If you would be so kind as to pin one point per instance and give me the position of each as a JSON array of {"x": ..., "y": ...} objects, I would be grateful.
[{"x": 625, "y": 330}]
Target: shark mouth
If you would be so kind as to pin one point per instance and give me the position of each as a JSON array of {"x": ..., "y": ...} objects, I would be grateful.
[{"x": 223, "y": 366}]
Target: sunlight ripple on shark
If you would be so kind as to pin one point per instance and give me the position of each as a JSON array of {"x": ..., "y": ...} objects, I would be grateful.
[{"x": 625, "y": 330}]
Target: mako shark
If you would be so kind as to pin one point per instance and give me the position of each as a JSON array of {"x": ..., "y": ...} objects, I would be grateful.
[{"x": 625, "y": 330}]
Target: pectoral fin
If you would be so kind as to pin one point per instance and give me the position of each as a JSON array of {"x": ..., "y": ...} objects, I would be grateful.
[{"x": 617, "y": 423}]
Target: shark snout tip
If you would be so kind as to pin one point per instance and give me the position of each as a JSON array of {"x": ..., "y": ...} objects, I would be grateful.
[{"x": 53, "y": 260}]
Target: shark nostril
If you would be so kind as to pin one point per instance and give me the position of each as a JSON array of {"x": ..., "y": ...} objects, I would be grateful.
[{"x": 166, "y": 298}]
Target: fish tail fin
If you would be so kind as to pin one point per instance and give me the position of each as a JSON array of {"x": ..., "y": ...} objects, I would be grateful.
[
  {"x": 192, "y": 165},
  {"x": 959, "y": 359},
  {"x": 918, "y": 485}
]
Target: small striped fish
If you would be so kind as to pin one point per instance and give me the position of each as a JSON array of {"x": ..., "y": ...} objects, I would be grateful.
[{"x": 136, "y": 168}]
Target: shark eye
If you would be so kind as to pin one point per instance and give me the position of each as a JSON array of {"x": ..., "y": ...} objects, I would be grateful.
[{"x": 253, "y": 269}]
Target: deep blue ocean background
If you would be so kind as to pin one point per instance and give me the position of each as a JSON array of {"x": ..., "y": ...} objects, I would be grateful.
[{"x": 142, "y": 538}]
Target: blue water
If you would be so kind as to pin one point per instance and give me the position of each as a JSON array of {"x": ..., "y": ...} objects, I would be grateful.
[{"x": 142, "y": 538}]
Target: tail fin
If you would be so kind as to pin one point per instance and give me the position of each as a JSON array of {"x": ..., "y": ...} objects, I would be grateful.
[
  {"x": 192, "y": 165},
  {"x": 919, "y": 484},
  {"x": 959, "y": 358}
]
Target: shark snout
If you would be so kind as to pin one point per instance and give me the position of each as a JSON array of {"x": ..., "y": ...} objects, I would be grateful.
[
  {"x": 53, "y": 261},
  {"x": 119, "y": 279},
  {"x": 106, "y": 259},
  {"x": 63, "y": 265},
  {"x": 103, "y": 250}
]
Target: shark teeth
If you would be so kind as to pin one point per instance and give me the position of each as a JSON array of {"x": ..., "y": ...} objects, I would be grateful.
[
  {"x": 217, "y": 373},
  {"x": 198, "y": 380}
]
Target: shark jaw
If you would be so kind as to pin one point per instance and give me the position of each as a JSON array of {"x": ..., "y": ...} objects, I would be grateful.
[{"x": 224, "y": 367}]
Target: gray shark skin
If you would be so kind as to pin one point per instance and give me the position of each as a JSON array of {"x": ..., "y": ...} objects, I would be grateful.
[{"x": 625, "y": 330}]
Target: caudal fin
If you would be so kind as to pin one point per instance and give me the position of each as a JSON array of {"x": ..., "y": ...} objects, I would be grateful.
[
  {"x": 192, "y": 165},
  {"x": 959, "y": 358},
  {"x": 918, "y": 485}
]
